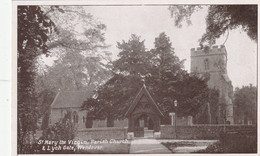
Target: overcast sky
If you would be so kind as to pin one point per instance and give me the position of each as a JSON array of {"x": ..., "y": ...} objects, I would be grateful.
[{"x": 149, "y": 21}]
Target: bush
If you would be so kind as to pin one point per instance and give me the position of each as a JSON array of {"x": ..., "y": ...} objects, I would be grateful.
[
  {"x": 233, "y": 143},
  {"x": 62, "y": 130},
  {"x": 214, "y": 148}
]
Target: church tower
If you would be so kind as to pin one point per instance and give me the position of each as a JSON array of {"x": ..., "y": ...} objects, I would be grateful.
[{"x": 213, "y": 62}]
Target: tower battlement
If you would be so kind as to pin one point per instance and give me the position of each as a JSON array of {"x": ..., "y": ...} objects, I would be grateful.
[{"x": 214, "y": 50}]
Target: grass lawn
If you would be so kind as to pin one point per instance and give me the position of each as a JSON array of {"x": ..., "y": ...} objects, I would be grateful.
[{"x": 184, "y": 146}]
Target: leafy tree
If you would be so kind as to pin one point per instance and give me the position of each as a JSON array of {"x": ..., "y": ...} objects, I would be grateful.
[
  {"x": 78, "y": 49},
  {"x": 164, "y": 77},
  {"x": 78, "y": 73},
  {"x": 76, "y": 29},
  {"x": 132, "y": 57},
  {"x": 33, "y": 30},
  {"x": 127, "y": 73},
  {"x": 220, "y": 19},
  {"x": 182, "y": 13},
  {"x": 245, "y": 104}
]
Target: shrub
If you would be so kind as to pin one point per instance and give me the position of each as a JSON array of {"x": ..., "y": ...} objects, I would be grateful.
[
  {"x": 63, "y": 130},
  {"x": 233, "y": 143}
]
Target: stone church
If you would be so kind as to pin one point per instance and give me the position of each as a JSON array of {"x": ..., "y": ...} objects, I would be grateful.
[
  {"x": 69, "y": 101},
  {"x": 213, "y": 62}
]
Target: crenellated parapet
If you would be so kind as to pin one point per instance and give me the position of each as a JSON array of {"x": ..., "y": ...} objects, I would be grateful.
[{"x": 214, "y": 50}]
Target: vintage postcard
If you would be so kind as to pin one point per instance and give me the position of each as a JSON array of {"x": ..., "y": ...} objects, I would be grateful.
[{"x": 134, "y": 77}]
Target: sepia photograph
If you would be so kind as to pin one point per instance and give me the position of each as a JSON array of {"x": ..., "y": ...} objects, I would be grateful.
[{"x": 135, "y": 78}]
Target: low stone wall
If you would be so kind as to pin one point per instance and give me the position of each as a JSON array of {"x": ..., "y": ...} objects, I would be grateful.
[
  {"x": 200, "y": 131},
  {"x": 103, "y": 123},
  {"x": 102, "y": 133}
]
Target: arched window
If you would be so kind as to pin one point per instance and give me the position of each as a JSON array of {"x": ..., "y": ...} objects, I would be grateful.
[
  {"x": 206, "y": 64},
  {"x": 84, "y": 119},
  {"x": 63, "y": 113},
  {"x": 75, "y": 117}
]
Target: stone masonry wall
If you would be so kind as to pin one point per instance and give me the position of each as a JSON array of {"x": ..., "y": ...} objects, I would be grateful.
[
  {"x": 58, "y": 113},
  {"x": 103, "y": 123}
]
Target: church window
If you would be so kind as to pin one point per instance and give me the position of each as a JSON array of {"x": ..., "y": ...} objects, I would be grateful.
[
  {"x": 75, "y": 117},
  {"x": 206, "y": 64},
  {"x": 84, "y": 119},
  {"x": 196, "y": 69}
]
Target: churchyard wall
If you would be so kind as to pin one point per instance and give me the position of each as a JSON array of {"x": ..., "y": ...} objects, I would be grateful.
[{"x": 103, "y": 123}]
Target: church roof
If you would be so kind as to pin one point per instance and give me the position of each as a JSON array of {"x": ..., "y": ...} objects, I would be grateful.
[
  {"x": 143, "y": 91},
  {"x": 70, "y": 99}
]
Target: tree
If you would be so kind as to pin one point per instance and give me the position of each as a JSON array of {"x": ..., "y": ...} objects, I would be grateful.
[
  {"x": 33, "y": 30},
  {"x": 44, "y": 100},
  {"x": 220, "y": 19},
  {"x": 126, "y": 81},
  {"x": 78, "y": 51},
  {"x": 245, "y": 104},
  {"x": 163, "y": 74},
  {"x": 74, "y": 73},
  {"x": 76, "y": 29},
  {"x": 132, "y": 57}
]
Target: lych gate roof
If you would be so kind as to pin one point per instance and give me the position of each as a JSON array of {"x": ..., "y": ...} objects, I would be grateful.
[
  {"x": 142, "y": 92},
  {"x": 70, "y": 99}
]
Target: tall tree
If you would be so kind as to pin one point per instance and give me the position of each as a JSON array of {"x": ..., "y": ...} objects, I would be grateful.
[
  {"x": 163, "y": 74},
  {"x": 220, "y": 19},
  {"x": 132, "y": 57},
  {"x": 125, "y": 82},
  {"x": 78, "y": 51},
  {"x": 33, "y": 30},
  {"x": 245, "y": 104}
]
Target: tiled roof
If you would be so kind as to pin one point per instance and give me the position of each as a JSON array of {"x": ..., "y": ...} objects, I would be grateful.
[
  {"x": 70, "y": 99},
  {"x": 143, "y": 91}
]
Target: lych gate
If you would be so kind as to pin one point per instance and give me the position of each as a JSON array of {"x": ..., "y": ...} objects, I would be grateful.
[{"x": 143, "y": 114}]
